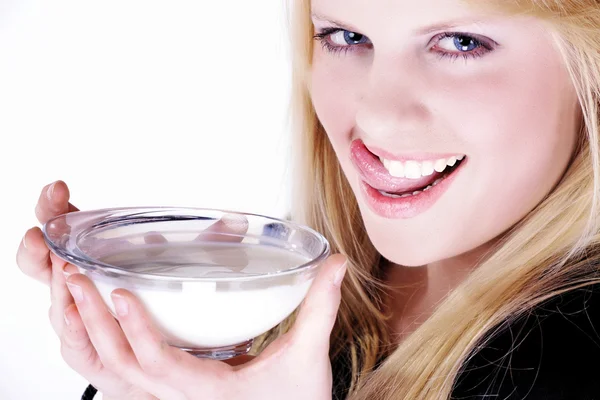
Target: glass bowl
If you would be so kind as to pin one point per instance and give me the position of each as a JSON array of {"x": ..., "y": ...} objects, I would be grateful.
[{"x": 211, "y": 280}]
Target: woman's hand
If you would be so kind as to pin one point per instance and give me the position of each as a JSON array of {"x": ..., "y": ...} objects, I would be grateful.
[
  {"x": 35, "y": 260},
  {"x": 295, "y": 366}
]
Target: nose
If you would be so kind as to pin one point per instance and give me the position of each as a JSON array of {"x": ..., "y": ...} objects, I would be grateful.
[{"x": 392, "y": 103}]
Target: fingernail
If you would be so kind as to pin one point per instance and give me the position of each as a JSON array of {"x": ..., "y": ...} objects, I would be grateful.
[
  {"x": 235, "y": 220},
  {"x": 339, "y": 274},
  {"x": 69, "y": 269},
  {"x": 50, "y": 191},
  {"x": 67, "y": 319},
  {"x": 121, "y": 306},
  {"x": 76, "y": 292},
  {"x": 24, "y": 242}
]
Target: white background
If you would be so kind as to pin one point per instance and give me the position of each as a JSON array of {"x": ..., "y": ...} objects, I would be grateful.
[{"x": 131, "y": 102}]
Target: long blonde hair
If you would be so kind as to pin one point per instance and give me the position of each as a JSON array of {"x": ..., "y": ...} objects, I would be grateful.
[{"x": 553, "y": 250}]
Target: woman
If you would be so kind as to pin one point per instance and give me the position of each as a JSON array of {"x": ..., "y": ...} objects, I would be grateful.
[{"x": 450, "y": 151}]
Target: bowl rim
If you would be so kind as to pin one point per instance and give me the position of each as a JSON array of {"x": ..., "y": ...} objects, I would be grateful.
[{"x": 92, "y": 265}]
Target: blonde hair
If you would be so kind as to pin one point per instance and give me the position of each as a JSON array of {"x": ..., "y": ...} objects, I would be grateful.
[{"x": 552, "y": 250}]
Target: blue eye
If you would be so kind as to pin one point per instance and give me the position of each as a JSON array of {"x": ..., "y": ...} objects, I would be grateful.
[
  {"x": 451, "y": 42},
  {"x": 348, "y": 37},
  {"x": 464, "y": 43},
  {"x": 447, "y": 44},
  {"x": 455, "y": 44},
  {"x": 336, "y": 39}
]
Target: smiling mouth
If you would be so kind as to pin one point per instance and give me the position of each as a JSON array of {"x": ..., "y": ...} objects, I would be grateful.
[
  {"x": 416, "y": 170},
  {"x": 402, "y": 175},
  {"x": 403, "y": 185}
]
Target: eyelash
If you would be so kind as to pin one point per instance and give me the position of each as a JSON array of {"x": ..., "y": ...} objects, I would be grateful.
[
  {"x": 322, "y": 38},
  {"x": 482, "y": 47}
]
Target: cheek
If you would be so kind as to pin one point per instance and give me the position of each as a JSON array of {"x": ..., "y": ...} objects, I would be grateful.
[
  {"x": 333, "y": 87},
  {"x": 527, "y": 117},
  {"x": 519, "y": 131},
  {"x": 520, "y": 136}
]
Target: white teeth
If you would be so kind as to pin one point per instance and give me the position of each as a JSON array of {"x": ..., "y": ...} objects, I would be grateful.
[
  {"x": 412, "y": 170},
  {"x": 415, "y": 170},
  {"x": 416, "y": 192},
  {"x": 393, "y": 196},
  {"x": 440, "y": 165},
  {"x": 397, "y": 196},
  {"x": 426, "y": 168},
  {"x": 396, "y": 169}
]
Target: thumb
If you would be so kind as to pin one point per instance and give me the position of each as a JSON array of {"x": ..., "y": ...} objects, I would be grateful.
[{"x": 319, "y": 311}]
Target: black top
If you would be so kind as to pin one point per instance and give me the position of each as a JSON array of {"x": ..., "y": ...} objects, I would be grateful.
[{"x": 552, "y": 353}]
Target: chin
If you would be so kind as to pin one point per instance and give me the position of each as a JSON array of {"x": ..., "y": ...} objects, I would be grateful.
[
  {"x": 412, "y": 247},
  {"x": 407, "y": 259}
]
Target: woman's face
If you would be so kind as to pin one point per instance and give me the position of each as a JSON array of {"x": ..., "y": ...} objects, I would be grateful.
[{"x": 406, "y": 89}]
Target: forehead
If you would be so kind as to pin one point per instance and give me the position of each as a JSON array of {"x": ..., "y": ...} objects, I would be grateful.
[{"x": 397, "y": 14}]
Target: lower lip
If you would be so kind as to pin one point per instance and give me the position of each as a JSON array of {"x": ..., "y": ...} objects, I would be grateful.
[{"x": 407, "y": 207}]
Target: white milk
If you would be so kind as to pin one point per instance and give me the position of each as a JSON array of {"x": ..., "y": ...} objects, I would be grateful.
[{"x": 210, "y": 314}]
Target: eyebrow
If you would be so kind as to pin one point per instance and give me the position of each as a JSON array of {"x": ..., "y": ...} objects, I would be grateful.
[
  {"x": 449, "y": 25},
  {"x": 421, "y": 31},
  {"x": 332, "y": 21}
]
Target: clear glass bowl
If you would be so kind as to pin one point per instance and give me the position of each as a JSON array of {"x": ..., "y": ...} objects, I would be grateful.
[{"x": 211, "y": 280}]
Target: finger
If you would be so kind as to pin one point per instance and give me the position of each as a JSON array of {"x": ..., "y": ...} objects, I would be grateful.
[
  {"x": 318, "y": 313},
  {"x": 157, "y": 244},
  {"x": 61, "y": 298},
  {"x": 76, "y": 348},
  {"x": 103, "y": 330},
  {"x": 79, "y": 353},
  {"x": 108, "y": 339},
  {"x": 231, "y": 228},
  {"x": 33, "y": 256},
  {"x": 53, "y": 201},
  {"x": 154, "y": 355},
  {"x": 156, "y": 358}
]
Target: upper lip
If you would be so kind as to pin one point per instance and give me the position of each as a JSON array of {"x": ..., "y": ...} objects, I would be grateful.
[
  {"x": 407, "y": 157},
  {"x": 377, "y": 176}
]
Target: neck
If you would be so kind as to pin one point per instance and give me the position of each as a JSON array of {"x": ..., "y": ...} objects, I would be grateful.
[{"x": 415, "y": 292}]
